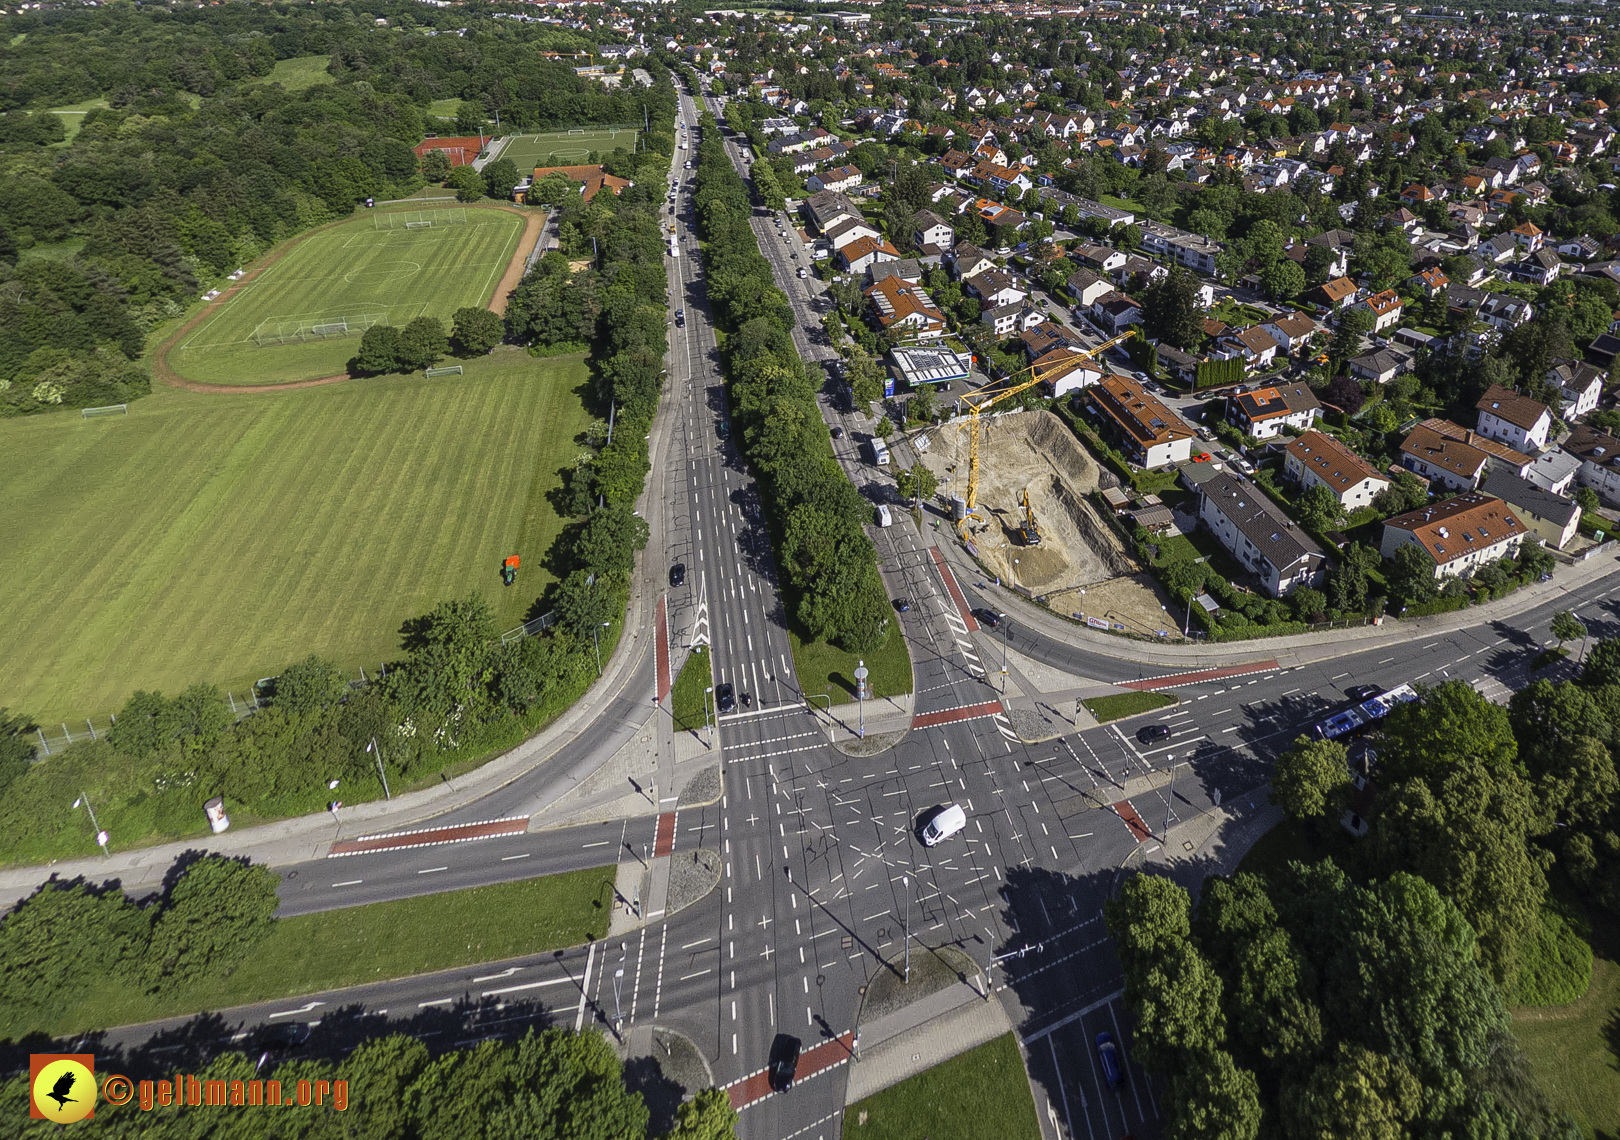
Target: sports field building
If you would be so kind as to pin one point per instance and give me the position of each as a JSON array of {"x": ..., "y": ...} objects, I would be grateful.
[{"x": 591, "y": 178}]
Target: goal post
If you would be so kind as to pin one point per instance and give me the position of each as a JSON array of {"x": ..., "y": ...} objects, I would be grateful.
[
  {"x": 418, "y": 219},
  {"x": 284, "y": 330},
  {"x": 447, "y": 370},
  {"x": 109, "y": 410}
]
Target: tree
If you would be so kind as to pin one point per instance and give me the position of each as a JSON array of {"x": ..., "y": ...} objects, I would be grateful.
[
  {"x": 215, "y": 914},
  {"x": 1345, "y": 393},
  {"x": 1354, "y": 323},
  {"x": 17, "y": 750},
  {"x": 884, "y": 428},
  {"x": 63, "y": 936},
  {"x": 582, "y": 605},
  {"x": 379, "y": 351},
  {"x": 1360, "y": 1093},
  {"x": 1451, "y": 724},
  {"x": 422, "y": 344},
  {"x": 1406, "y": 492},
  {"x": 1284, "y": 279},
  {"x": 1602, "y": 664},
  {"x": 435, "y": 166},
  {"x": 1309, "y": 779},
  {"x": 1318, "y": 508},
  {"x": 476, "y": 330},
  {"x": 552, "y": 190},
  {"x": 917, "y": 483},
  {"x": 1170, "y": 309},
  {"x": 608, "y": 541},
  {"x": 500, "y": 177},
  {"x": 467, "y": 183},
  {"x": 309, "y": 685},
  {"x": 1567, "y": 627},
  {"x": 1212, "y": 1099},
  {"x": 707, "y": 1116},
  {"x": 1587, "y": 498},
  {"x": 1347, "y": 584},
  {"x": 1410, "y": 573}
]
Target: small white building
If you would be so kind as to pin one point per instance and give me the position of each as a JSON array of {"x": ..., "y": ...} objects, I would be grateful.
[
  {"x": 1316, "y": 459},
  {"x": 1259, "y": 535},
  {"x": 1518, "y": 421},
  {"x": 1579, "y": 385}
]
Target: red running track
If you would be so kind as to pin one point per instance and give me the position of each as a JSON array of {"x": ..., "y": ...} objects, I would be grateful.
[
  {"x": 1176, "y": 680},
  {"x": 428, "y": 837}
]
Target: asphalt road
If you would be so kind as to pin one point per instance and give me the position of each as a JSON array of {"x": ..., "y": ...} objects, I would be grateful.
[{"x": 824, "y": 878}]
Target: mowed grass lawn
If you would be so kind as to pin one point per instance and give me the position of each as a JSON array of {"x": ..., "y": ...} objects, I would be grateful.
[
  {"x": 979, "y": 1094},
  {"x": 218, "y": 538},
  {"x": 352, "y": 271},
  {"x": 559, "y": 148},
  {"x": 299, "y": 73}
]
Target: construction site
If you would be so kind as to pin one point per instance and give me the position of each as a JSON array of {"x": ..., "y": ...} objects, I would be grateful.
[{"x": 1071, "y": 557}]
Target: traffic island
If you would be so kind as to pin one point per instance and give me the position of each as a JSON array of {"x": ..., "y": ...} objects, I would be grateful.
[
  {"x": 692, "y": 875},
  {"x": 930, "y": 972},
  {"x": 666, "y": 1068}
]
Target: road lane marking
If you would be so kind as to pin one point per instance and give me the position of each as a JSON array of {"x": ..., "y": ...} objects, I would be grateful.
[{"x": 432, "y": 870}]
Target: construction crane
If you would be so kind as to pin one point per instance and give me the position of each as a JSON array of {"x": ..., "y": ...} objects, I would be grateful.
[
  {"x": 1032, "y": 529},
  {"x": 1017, "y": 384}
]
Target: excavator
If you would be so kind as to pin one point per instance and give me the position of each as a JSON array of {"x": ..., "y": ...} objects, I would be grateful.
[
  {"x": 982, "y": 399},
  {"x": 1031, "y": 530}
]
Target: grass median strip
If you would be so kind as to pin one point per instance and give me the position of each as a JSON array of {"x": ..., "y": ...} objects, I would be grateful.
[
  {"x": 315, "y": 952},
  {"x": 690, "y": 700},
  {"x": 1122, "y": 705},
  {"x": 825, "y": 668},
  {"x": 957, "y": 1100}
]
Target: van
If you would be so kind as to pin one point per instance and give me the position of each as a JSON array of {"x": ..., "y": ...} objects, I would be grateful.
[
  {"x": 944, "y": 825},
  {"x": 884, "y": 517}
]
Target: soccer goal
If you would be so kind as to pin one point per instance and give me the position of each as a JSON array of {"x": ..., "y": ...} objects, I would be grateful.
[
  {"x": 109, "y": 410},
  {"x": 282, "y": 330},
  {"x": 449, "y": 370},
  {"x": 576, "y": 130},
  {"x": 418, "y": 219}
]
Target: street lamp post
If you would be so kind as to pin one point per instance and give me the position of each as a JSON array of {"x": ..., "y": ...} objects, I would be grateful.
[
  {"x": 1006, "y": 635},
  {"x": 372, "y": 747},
  {"x": 597, "y": 645},
  {"x": 906, "y": 881},
  {"x": 860, "y": 693},
  {"x": 101, "y": 836},
  {"x": 708, "y": 732},
  {"x": 1170, "y": 800}
]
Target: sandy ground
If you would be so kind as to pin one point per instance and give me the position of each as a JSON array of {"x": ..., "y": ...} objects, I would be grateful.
[{"x": 1080, "y": 566}]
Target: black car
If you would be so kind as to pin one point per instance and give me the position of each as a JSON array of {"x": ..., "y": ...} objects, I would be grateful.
[
  {"x": 987, "y": 618},
  {"x": 903, "y": 605},
  {"x": 1363, "y": 693},
  {"x": 784, "y": 1064},
  {"x": 677, "y": 574},
  {"x": 1149, "y": 733},
  {"x": 283, "y": 1037},
  {"x": 725, "y": 698},
  {"x": 838, "y": 433}
]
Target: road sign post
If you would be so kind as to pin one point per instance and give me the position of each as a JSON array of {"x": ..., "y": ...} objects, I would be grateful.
[{"x": 860, "y": 694}]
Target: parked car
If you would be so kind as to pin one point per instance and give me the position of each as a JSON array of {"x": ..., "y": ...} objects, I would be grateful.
[
  {"x": 725, "y": 698},
  {"x": 1108, "y": 1056},
  {"x": 1150, "y": 733},
  {"x": 677, "y": 574}
]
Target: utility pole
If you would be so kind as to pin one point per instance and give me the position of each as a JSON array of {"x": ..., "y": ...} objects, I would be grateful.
[
  {"x": 906, "y": 881},
  {"x": 860, "y": 694},
  {"x": 372, "y": 747}
]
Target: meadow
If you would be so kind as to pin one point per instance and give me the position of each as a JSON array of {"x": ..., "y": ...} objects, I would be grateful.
[
  {"x": 350, "y": 273},
  {"x": 208, "y": 537}
]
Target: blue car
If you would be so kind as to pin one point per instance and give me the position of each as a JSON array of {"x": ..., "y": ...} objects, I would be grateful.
[{"x": 1112, "y": 1066}]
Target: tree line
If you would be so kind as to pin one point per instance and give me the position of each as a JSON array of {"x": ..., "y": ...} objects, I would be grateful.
[
  {"x": 829, "y": 563},
  {"x": 550, "y": 1083},
  {"x": 1365, "y": 993},
  {"x": 197, "y": 165}
]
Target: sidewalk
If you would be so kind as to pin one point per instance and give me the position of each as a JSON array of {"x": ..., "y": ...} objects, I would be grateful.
[
  {"x": 920, "y": 1036},
  {"x": 307, "y": 837},
  {"x": 1296, "y": 649}
]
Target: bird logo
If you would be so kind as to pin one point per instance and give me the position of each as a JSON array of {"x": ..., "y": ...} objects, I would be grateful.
[{"x": 63, "y": 1086}]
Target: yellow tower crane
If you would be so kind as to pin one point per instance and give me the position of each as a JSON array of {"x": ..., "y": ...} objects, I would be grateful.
[{"x": 1020, "y": 382}]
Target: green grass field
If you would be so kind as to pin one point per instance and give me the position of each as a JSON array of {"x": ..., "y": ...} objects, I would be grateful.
[
  {"x": 825, "y": 668},
  {"x": 218, "y": 537},
  {"x": 297, "y": 74},
  {"x": 983, "y": 1092},
  {"x": 1127, "y": 704},
  {"x": 689, "y": 700},
  {"x": 559, "y": 148},
  {"x": 350, "y": 270},
  {"x": 72, "y": 115},
  {"x": 315, "y": 952}
]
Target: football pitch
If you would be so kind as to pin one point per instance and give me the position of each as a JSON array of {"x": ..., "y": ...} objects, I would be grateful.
[
  {"x": 560, "y": 148},
  {"x": 217, "y": 538},
  {"x": 324, "y": 290}
]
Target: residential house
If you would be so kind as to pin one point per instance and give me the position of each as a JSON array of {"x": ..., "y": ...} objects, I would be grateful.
[
  {"x": 1291, "y": 331},
  {"x": 1254, "y": 344},
  {"x": 1528, "y": 236},
  {"x": 1386, "y": 308},
  {"x": 1147, "y": 431},
  {"x": 968, "y": 260},
  {"x": 994, "y": 287},
  {"x": 1579, "y": 386},
  {"x": 1381, "y": 365},
  {"x": 1086, "y": 287},
  {"x": 1430, "y": 281},
  {"x": 1500, "y": 454},
  {"x": 1067, "y": 369},
  {"x": 1599, "y": 454},
  {"x": 1503, "y": 312},
  {"x": 1100, "y": 258},
  {"x": 838, "y": 179},
  {"x": 865, "y": 251},
  {"x": 1518, "y": 421},
  {"x": 1264, "y": 412},
  {"x": 1317, "y": 458},
  {"x": 1259, "y": 535},
  {"x": 1554, "y": 470},
  {"x": 1114, "y": 312},
  {"x": 827, "y": 207},
  {"x": 905, "y": 308},
  {"x": 1011, "y": 318},
  {"x": 1552, "y": 518},
  {"x": 1450, "y": 463},
  {"x": 931, "y": 229},
  {"x": 1047, "y": 335},
  {"x": 1334, "y": 294},
  {"x": 847, "y": 230},
  {"x": 908, "y": 269},
  {"x": 1460, "y": 534}
]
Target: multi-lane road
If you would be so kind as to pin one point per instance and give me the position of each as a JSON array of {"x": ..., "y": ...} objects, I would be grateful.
[{"x": 822, "y": 873}]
